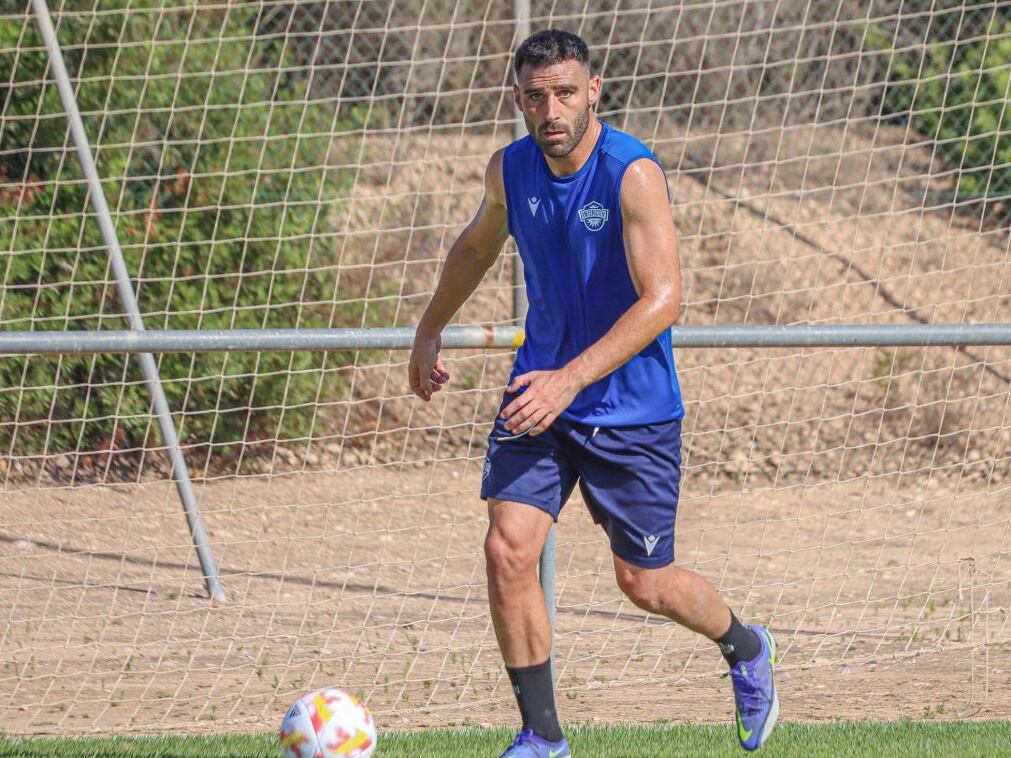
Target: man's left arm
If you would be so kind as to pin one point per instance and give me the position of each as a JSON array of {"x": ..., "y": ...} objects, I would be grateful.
[{"x": 652, "y": 251}]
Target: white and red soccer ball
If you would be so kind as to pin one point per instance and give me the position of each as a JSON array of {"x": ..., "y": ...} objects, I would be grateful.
[{"x": 329, "y": 723}]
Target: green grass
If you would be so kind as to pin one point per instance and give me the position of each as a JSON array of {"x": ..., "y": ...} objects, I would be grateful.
[{"x": 884, "y": 740}]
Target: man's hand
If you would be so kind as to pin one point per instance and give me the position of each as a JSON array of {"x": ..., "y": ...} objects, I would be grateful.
[
  {"x": 425, "y": 370},
  {"x": 547, "y": 394}
]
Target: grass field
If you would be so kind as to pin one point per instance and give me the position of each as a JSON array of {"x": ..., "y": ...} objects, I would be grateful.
[{"x": 881, "y": 740}]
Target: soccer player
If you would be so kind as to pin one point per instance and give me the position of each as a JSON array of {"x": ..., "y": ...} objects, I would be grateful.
[{"x": 593, "y": 397}]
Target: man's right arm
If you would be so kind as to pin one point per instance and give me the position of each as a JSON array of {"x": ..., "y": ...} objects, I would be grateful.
[{"x": 470, "y": 256}]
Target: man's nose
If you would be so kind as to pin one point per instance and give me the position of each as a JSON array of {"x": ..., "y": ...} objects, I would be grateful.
[{"x": 550, "y": 109}]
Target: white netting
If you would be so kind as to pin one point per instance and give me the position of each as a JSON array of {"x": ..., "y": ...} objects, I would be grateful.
[{"x": 280, "y": 164}]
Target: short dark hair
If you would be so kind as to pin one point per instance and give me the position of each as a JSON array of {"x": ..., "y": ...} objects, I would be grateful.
[{"x": 545, "y": 48}]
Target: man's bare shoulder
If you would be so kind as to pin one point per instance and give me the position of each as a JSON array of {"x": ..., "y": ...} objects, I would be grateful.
[
  {"x": 494, "y": 184},
  {"x": 643, "y": 175},
  {"x": 644, "y": 189}
]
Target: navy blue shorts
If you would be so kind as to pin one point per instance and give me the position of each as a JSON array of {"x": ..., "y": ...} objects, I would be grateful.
[{"x": 629, "y": 476}]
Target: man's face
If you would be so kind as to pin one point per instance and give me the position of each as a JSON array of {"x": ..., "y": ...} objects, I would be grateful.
[{"x": 555, "y": 101}]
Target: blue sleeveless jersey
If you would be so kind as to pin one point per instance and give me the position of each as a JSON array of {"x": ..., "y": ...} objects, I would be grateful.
[{"x": 569, "y": 234}]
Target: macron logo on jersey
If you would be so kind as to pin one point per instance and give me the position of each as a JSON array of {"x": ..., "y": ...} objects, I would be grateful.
[
  {"x": 534, "y": 203},
  {"x": 593, "y": 215}
]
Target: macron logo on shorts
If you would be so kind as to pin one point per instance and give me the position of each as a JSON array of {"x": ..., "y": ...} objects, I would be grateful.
[{"x": 650, "y": 543}]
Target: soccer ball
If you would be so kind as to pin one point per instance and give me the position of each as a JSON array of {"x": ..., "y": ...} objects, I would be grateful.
[{"x": 329, "y": 723}]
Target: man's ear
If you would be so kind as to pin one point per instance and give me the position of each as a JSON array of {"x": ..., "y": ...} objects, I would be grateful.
[
  {"x": 594, "y": 90},
  {"x": 516, "y": 97}
]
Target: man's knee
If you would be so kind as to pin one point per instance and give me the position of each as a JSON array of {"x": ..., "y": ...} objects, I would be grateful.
[
  {"x": 642, "y": 586},
  {"x": 512, "y": 545},
  {"x": 508, "y": 558}
]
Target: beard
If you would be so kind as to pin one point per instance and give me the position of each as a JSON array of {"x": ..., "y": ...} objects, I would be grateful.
[{"x": 566, "y": 146}]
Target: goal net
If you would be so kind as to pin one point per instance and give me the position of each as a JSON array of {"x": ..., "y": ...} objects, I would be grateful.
[{"x": 280, "y": 164}]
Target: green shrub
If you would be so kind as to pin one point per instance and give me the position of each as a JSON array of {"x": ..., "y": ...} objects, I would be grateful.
[
  {"x": 956, "y": 94},
  {"x": 216, "y": 173}
]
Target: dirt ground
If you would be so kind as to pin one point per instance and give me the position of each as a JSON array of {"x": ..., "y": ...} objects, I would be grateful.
[{"x": 889, "y": 598}]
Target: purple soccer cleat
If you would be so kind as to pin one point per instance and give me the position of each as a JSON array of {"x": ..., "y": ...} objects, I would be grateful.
[
  {"x": 755, "y": 693},
  {"x": 528, "y": 744}
]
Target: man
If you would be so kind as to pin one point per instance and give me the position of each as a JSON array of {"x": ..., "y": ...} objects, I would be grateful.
[{"x": 593, "y": 397}]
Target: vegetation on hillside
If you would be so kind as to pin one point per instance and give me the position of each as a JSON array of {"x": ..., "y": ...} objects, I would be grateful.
[{"x": 215, "y": 168}]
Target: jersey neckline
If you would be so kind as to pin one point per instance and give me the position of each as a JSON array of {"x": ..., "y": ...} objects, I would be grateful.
[{"x": 604, "y": 128}]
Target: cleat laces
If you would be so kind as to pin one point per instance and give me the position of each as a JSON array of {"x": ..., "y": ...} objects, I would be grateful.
[
  {"x": 525, "y": 737},
  {"x": 750, "y": 698}
]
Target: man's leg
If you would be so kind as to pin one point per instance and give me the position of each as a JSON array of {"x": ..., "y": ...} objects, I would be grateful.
[
  {"x": 512, "y": 548},
  {"x": 687, "y": 598},
  {"x": 526, "y": 481},
  {"x": 516, "y": 535}
]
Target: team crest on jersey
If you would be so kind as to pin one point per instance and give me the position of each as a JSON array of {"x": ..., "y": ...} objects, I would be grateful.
[{"x": 593, "y": 215}]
